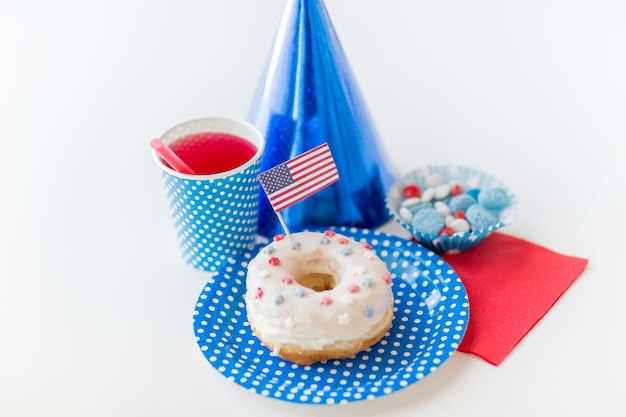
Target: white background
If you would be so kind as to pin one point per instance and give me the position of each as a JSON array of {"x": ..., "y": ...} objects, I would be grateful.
[{"x": 95, "y": 303}]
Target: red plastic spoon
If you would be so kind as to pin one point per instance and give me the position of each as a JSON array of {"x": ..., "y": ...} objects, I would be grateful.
[{"x": 170, "y": 157}]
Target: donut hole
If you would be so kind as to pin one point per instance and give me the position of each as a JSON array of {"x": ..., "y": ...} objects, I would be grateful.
[{"x": 317, "y": 281}]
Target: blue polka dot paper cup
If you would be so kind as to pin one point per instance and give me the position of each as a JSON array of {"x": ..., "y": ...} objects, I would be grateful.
[
  {"x": 450, "y": 208},
  {"x": 215, "y": 215}
]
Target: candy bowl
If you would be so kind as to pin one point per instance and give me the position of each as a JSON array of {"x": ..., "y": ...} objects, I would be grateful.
[{"x": 450, "y": 208}]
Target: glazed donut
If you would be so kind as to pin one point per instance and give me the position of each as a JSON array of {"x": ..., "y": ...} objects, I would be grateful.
[{"x": 315, "y": 296}]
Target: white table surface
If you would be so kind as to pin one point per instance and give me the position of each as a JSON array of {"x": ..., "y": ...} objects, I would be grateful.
[{"x": 95, "y": 302}]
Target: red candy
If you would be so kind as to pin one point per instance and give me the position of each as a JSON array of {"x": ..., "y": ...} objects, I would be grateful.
[
  {"x": 446, "y": 231},
  {"x": 273, "y": 261},
  {"x": 460, "y": 214},
  {"x": 456, "y": 189},
  {"x": 278, "y": 237},
  {"x": 412, "y": 190}
]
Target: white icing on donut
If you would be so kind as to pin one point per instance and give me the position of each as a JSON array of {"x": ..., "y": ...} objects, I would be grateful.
[{"x": 285, "y": 312}]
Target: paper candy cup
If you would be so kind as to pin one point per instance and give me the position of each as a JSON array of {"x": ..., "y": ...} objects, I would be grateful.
[
  {"x": 215, "y": 216},
  {"x": 468, "y": 178}
]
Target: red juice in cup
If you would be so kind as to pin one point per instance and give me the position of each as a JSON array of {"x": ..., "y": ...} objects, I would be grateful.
[{"x": 213, "y": 152}]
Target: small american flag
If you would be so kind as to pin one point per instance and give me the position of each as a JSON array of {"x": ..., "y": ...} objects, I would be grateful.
[{"x": 298, "y": 178}]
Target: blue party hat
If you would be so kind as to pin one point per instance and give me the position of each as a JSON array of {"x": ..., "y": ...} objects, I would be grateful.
[{"x": 307, "y": 96}]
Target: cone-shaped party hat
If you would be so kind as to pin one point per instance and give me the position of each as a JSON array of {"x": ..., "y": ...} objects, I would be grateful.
[{"x": 308, "y": 96}]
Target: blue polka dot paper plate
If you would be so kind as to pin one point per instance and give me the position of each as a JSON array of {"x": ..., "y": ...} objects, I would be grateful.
[{"x": 430, "y": 317}]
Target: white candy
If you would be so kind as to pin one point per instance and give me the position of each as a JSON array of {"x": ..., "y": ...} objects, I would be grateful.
[
  {"x": 460, "y": 225},
  {"x": 442, "y": 191},
  {"x": 442, "y": 208},
  {"x": 406, "y": 215},
  {"x": 434, "y": 180},
  {"x": 428, "y": 195},
  {"x": 411, "y": 201}
]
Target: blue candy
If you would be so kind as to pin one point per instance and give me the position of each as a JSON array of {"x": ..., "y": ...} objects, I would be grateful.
[
  {"x": 461, "y": 202},
  {"x": 479, "y": 217},
  {"x": 421, "y": 206},
  {"x": 494, "y": 198},
  {"x": 474, "y": 192},
  {"x": 428, "y": 221}
]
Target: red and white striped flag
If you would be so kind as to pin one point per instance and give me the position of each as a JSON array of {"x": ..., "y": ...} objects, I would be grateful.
[{"x": 298, "y": 178}]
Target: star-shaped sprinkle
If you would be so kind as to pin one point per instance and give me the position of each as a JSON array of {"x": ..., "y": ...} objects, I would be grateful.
[
  {"x": 345, "y": 251},
  {"x": 368, "y": 311},
  {"x": 326, "y": 301},
  {"x": 353, "y": 288},
  {"x": 324, "y": 240},
  {"x": 278, "y": 237},
  {"x": 329, "y": 233},
  {"x": 361, "y": 270},
  {"x": 343, "y": 240},
  {"x": 278, "y": 299},
  {"x": 366, "y": 245},
  {"x": 294, "y": 245},
  {"x": 287, "y": 280},
  {"x": 387, "y": 278},
  {"x": 268, "y": 250},
  {"x": 273, "y": 261},
  {"x": 369, "y": 255},
  {"x": 289, "y": 323},
  {"x": 367, "y": 282},
  {"x": 264, "y": 274},
  {"x": 347, "y": 299},
  {"x": 258, "y": 293},
  {"x": 344, "y": 319},
  {"x": 299, "y": 292}
]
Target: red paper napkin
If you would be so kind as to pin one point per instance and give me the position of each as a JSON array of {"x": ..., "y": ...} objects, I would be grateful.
[{"x": 511, "y": 285}]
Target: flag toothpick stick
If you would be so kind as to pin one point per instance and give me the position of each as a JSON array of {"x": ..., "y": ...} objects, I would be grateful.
[{"x": 282, "y": 222}]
